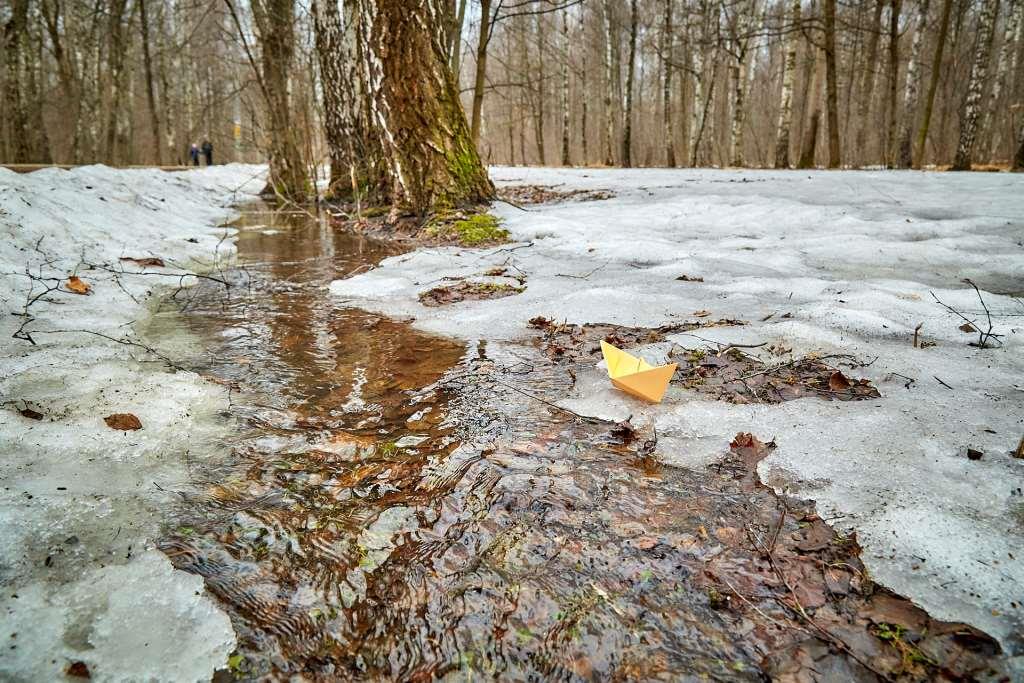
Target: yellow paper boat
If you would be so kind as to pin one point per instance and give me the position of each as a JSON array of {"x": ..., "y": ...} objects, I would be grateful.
[{"x": 635, "y": 375}]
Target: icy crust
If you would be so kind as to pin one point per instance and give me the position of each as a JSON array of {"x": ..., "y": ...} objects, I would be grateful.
[
  {"x": 81, "y": 502},
  {"x": 851, "y": 259}
]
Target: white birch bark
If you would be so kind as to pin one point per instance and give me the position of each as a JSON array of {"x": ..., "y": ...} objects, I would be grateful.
[
  {"x": 904, "y": 158},
  {"x": 785, "y": 123},
  {"x": 979, "y": 71}
]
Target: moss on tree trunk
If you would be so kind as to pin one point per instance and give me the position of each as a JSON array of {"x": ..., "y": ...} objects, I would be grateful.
[{"x": 414, "y": 104}]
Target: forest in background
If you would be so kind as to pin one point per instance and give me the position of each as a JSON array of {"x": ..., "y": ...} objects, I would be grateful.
[{"x": 758, "y": 83}]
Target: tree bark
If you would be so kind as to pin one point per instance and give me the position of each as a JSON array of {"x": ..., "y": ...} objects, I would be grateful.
[
  {"x": 979, "y": 70},
  {"x": 609, "y": 121},
  {"x": 808, "y": 150},
  {"x": 627, "y": 123},
  {"x": 666, "y": 42},
  {"x": 566, "y": 161},
  {"x": 116, "y": 48},
  {"x": 1018, "y": 159},
  {"x": 147, "y": 60},
  {"x": 17, "y": 125},
  {"x": 785, "y": 123},
  {"x": 1011, "y": 44},
  {"x": 905, "y": 155},
  {"x": 455, "y": 40},
  {"x": 867, "y": 88},
  {"x": 414, "y": 102},
  {"x": 832, "y": 85},
  {"x": 336, "y": 56},
  {"x": 894, "y": 75},
  {"x": 933, "y": 84},
  {"x": 275, "y": 25},
  {"x": 480, "y": 79},
  {"x": 584, "y": 95}
]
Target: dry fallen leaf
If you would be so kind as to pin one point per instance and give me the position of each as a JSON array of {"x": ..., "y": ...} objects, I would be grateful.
[
  {"x": 124, "y": 422},
  {"x": 702, "y": 313},
  {"x": 31, "y": 414},
  {"x": 967, "y": 327},
  {"x": 78, "y": 670},
  {"x": 76, "y": 285},
  {"x": 837, "y": 382}
]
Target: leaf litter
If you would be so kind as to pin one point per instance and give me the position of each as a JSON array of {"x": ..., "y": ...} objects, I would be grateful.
[{"x": 509, "y": 538}]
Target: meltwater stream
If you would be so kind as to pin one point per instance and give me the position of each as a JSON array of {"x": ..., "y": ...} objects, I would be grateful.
[
  {"x": 390, "y": 509},
  {"x": 393, "y": 505}
]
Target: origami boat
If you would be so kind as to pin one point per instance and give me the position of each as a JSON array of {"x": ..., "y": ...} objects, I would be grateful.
[{"x": 636, "y": 376}]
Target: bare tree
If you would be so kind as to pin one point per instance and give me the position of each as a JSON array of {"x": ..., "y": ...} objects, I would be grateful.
[
  {"x": 904, "y": 157},
  {"x": 627, "y": 115},
  {"x": 832, "y": 86},
  {"x": 666, "y": 42},
  {"x": 786, "y": 101},
  {"x": 933, "y": 83},
  {"x": 979, "y": 70}
]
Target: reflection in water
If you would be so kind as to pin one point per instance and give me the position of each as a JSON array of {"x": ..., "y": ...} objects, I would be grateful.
[{"x": 391, "y": 509}]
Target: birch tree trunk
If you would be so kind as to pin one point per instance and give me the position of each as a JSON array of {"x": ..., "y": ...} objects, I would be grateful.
[
  {"x": 867, "y": 88},
  {"x": 933, "y": 84},
  {"x": 335, "y": 55},
  {"x": 609, "y": 121},
  {"x": 566, "y": 161},
  {"x": 665, "y": 43},
  {"x": 979, "y": 70},
  {"x": 414, "y": 102},
  {"x": 1011, "y": 45},
  {"x": 785, "y": 123},
  {"x": 627, "y": 116},
  {"x": 905, "y": 157},
  {"x": 699, "y": 48},
  {"x": 832, "y": 85},
  {"x": 455, "y": 40},
  {"x": 740, "y": 42}
]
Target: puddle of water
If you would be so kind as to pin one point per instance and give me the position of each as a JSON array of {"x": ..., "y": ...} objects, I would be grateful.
[{"x": 394, "y": 506}]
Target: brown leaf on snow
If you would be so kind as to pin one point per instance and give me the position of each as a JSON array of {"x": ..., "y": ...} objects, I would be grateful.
[
  {"x": 147, "y": 261},
  {"x": 837, "y": 381},
  {"x": 31, "y": 414},
  {"x": 125, "y": 422},
  {"x": 745, "y": 440},
  {"x": 701, "y": 313},
  {"x": 78, "y": 670},
  {"x": 967, "y": 327},
  {"x": 76, "y": 285}
]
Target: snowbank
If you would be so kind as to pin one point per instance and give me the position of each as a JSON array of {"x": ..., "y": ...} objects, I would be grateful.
[
  {"x": 80, "y": 501},
  {"x": 850, "y": 259}
]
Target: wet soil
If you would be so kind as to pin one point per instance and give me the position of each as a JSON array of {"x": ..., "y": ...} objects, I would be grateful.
[{"x": 401, "y": 506}]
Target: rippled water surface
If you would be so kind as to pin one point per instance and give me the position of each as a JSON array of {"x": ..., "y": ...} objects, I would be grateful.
[{"x": 393, "y": 506}]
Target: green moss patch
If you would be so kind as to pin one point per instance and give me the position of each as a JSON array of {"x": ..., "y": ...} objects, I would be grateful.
[{"x": 475, "y": 230}]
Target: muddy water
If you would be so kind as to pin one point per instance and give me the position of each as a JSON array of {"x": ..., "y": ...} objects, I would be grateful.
[{"x": 394, "y": 506}]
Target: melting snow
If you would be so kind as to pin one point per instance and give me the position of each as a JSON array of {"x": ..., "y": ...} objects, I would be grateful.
[
  {"x": 852, "y": 257},
  {"x": 80, "y": 502}
]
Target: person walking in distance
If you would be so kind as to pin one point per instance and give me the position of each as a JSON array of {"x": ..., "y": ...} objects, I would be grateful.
[
  {"x": 193, "y": 153},
  {"x": 208, "y": 152}
]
